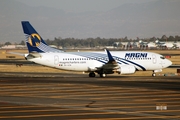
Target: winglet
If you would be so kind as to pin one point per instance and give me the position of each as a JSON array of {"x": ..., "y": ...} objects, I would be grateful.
[{"x": 109, "y": 56}]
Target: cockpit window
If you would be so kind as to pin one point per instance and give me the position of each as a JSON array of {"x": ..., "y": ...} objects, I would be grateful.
[{"x": 162, "y": 57}]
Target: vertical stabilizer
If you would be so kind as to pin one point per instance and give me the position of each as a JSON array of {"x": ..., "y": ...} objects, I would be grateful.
[{"x": 34, "y": 41}]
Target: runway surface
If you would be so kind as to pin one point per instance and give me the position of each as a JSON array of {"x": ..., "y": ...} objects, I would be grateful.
[{"x": 75, "y": 96}]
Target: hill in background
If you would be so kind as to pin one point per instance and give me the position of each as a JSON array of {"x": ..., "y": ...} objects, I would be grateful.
[{"x": 144, "y": 20}]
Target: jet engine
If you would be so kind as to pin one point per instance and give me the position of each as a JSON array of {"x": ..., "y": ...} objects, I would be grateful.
[{"x": 126, "y": 69}]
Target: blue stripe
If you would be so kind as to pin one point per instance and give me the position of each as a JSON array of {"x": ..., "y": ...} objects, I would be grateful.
[
  {"x": 121, "y": 60},
  {"x": 136, "y": 64},
  {"x": 131, "y": 63},
  {"x": 100, "y": 55}
]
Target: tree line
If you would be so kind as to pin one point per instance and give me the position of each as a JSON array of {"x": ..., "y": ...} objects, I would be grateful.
[{"x": 97, "y": 42}]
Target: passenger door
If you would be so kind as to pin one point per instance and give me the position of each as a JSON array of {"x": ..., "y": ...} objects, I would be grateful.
[
  {"x": 154, "y": 59},
  {"x": 56, "y": 60}
]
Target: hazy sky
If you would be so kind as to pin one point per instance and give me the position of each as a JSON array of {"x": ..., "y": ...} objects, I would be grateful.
[
  {"x": 81, "y": 5},
  {"x": 162, "y": 19}
]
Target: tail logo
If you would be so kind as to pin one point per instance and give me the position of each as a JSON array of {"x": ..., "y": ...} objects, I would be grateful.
[{"x": 34, "y": 40}]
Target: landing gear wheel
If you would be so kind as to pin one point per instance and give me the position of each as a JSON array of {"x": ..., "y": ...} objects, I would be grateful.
[
  {"x": 92, "y": 74},
  {"x": 154, "y": 74},
  {"x": 102, "y": 75}
]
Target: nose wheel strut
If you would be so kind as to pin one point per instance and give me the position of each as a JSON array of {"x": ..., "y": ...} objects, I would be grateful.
[{"x": 154, "y": 74}]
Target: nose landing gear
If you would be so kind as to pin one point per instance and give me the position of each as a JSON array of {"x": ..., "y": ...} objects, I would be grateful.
[
  {"x": 155, "y": 71},
  {"x": 154, "y": 74}
]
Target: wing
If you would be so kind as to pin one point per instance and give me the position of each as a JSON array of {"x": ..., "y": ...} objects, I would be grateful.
[
  {"x": 113, "y": 67},
  {"x": 108, "y": 67}
]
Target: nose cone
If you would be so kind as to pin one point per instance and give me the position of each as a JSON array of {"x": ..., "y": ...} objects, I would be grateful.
[{"x": 168, "y": 63}]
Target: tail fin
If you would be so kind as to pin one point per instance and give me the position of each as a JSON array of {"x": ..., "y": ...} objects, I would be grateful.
[{"x": 34, "y": 41}]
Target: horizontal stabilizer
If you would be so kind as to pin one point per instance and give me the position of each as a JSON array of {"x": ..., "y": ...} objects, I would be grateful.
[{"x": 15, "y": 53}]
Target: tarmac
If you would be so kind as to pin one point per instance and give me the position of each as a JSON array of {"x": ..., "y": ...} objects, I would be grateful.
[{"x": 57, "y": 96}]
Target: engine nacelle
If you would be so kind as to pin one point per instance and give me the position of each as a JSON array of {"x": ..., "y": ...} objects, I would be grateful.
[{"x": 126, "y": 69}]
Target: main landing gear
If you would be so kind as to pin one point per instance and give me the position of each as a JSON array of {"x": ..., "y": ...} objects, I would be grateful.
[
  {"x": 92, "y": 74},
  {"x": 102, "y": 75}
]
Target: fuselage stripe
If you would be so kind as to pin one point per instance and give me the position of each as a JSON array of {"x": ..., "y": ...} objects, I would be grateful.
[{"x": 99, "y": 56}]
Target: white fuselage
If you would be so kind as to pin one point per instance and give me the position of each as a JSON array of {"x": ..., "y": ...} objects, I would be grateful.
[{"x": 89, "y": 61}]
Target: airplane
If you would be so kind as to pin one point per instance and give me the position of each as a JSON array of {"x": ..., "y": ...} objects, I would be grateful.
[
  {"x": 102, "y": 63},
  {"x": 162, "y": 45},
  {"x": 176, "y": 45},
  {"x": 145, "y": 45}
]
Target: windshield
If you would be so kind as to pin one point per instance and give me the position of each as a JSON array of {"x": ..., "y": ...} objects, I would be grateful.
[{"x": 162, "y": 57}]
